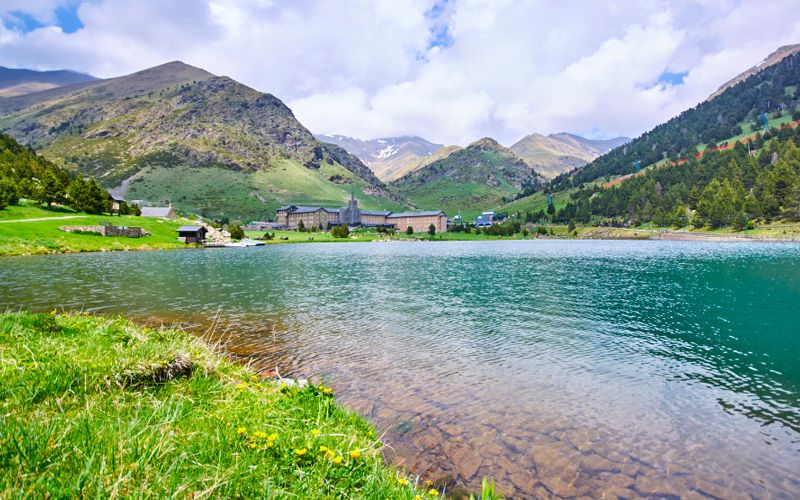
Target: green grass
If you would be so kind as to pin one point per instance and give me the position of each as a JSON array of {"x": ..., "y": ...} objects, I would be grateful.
[
  {"x": 44, "y": 236},
  {"x": 537, "y": 201},
  {"x": 98, "y": 407}
]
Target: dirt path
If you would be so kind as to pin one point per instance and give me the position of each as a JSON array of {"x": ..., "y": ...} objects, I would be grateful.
[{"x": 46, "y": 218}]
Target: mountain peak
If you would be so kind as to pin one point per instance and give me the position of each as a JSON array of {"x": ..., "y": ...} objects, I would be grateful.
[{"x": 487, "y": 144}]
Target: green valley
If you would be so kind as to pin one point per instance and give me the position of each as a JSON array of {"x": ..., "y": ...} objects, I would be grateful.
[
  {"x": 481, "y": 176},
  {"x": 174, "y": 119}
]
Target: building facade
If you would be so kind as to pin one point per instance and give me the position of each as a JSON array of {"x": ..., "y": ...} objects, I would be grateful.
[
  {"x": 418, "y": 221},
  {"x": 290, "y": 217}
]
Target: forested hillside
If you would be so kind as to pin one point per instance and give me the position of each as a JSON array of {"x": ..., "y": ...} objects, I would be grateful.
[
  {"x": 24, "y": 174},
  {"x": 731, "y": 187},
  {"x": 773, "y": 90}
]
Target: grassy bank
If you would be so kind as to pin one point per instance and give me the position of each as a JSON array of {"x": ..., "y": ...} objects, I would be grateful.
[
  {"x": 95, "y": 407},
  {"x": 22, "y": 234}
]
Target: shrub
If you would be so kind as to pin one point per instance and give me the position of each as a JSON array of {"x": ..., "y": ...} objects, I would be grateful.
[
  {"x": 341, "y": 231},
  {"x": 432, "y": 230},
  {"x": 409, "y": 230},
  {"x": 237, "y": 233},
  {"x": 8, "y": 193}
]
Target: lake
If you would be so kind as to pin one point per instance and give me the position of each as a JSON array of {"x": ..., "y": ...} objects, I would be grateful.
[{"x": 562, "y": 368}]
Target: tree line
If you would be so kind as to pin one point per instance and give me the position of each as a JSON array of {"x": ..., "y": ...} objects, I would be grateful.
[
  {"x": 734, "y": 187},
  {"x": 24, "y": 174},
  {"x": 772, "y": 90}
]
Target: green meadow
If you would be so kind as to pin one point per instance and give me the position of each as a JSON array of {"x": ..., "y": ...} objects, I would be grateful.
[{"x": 22, "y": 234}]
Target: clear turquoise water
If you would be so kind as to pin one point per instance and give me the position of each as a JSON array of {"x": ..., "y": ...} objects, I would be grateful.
[{"x": 558, "y": 368}]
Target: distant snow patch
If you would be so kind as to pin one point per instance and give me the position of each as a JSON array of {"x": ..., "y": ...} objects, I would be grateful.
[{"x": 386, "y": 152}]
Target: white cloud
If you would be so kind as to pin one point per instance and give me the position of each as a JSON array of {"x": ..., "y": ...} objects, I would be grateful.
[{"x": 370, "y": 68}]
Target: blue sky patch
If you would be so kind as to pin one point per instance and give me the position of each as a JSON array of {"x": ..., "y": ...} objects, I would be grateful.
[
  {"x": 67, "y": 18},
  {"x": 21, "y": 21},
  {"x": 440, "y": 30},
  {"x": 672, "y": 78}
]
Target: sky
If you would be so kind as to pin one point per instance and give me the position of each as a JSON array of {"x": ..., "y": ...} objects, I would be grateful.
[{"x": 450, "y": 71}]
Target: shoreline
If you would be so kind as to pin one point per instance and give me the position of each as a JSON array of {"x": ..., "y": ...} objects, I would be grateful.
[
  {"x": 588, "y": 234},
  {"x": 170, "y": 392}
]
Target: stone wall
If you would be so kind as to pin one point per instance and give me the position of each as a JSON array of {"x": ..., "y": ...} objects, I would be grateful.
[{"x": 109, "y": 230}]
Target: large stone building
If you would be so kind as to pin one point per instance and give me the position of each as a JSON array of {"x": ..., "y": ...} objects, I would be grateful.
[
  {"x": 418, "y": 221},
  {"x": 290, "y": 216}
]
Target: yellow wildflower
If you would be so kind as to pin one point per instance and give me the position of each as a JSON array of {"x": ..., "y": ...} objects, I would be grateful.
[
  {"x": 300, "y": 452},
  {"x": 53, "y": 312},
  {"x": 315, "y": 432},
  {"x": 272, "y": 437},
  {"x": 417, "y": 497},
  {"x": 252, "y": 446},
  {"x": 433, "y": 492},
  {"x": 355, "y": 454},
  {"x": 259, "y": 434},
  {"x": 338, "y": 460},
  {"x": 429, "y": 483},
  {"x": 402, "y": 481},
  {"x": 323, "y": 449},
  {"x": 330, "y": 454},
  {"x": 241, "y": 430},
  {"x": 241, "y": 385},
  {"x": 327, "y": 390}
]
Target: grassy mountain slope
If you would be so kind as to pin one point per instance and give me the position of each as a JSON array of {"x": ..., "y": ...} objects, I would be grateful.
[
  {"x": 481, "y": 176},
  {"x": 175, "y": 119},
  {"x": 14, "y": 82},
  {"x": 390, "y": 157},
  {"x": 558, "y": 153},
  {"x": 728, "y": 115}
]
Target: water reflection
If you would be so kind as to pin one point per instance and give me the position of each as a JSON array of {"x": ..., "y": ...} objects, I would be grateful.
[{"x": 559, "y": 368}]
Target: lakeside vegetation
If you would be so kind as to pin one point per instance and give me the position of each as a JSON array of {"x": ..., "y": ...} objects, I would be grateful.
[
  {"x": 95, "y": 407},
  {"x": 22, "y": 234}
]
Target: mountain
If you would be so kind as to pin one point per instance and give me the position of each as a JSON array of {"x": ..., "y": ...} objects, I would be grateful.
[
  {"x": 391, "y": 157},
  {"x": 175, "y": 132},
  {"x": 558, "y": 153},
  {"x": 14, "y": 82},
  {"x": 478, "y": 177},
  {"x": 770, "y": 60},
  {"x": 731, "y": 115}
]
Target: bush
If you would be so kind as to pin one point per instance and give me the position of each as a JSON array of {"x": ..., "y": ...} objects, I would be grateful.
[
  {"x": 87, "y": 196},
  {"x": 341, "y": 231},
  {"x": 8, "y": 193},
  {"x": 269, "y": 237},
  {"x": 431, "y": 230},
  {"x": 571, "y": 226},
  {"x": 237, "y": 233},
  {"x": 301, "y": 227},
  {"x": 409, "y": 230}
]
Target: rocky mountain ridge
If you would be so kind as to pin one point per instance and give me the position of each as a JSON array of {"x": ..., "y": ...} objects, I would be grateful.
[{"x": 389, "y": 157}]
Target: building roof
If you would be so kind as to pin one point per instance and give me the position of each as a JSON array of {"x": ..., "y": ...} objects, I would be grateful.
[
  {"x": 431, "y": 213},
  {"x": 305, "y": 210},
  {"x": 189, "y": 229},
  {"x": 156, "y": 211},
  {"x": 286, "y": 207},
  {"x": 374, "y": 212}
]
